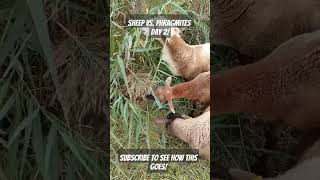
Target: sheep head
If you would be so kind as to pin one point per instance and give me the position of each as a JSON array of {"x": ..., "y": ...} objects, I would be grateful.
[
  {"x": 164, "y": 94},
  {"x": 175, "y": 31}
]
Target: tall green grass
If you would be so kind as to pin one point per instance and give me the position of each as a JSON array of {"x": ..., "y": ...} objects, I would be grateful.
[
  {"x": 35, "y": 140},
  {"x": 135, "y": 70}
]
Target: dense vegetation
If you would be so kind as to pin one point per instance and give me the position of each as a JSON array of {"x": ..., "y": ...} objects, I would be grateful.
[
  {"x": 136, "y": 69},
  {"x": 52, "y": 90}
]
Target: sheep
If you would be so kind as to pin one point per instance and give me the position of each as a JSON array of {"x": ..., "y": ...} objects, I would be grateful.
[
  {"x": 184, "y": 60},
  {"x": 194, "y": 131},
  {"x": 197, "y": 89},
  {"x": 306, "y": 168},
  {"x": 255, "y": 28},
  {"x": 285, "y": 84},
  {"x": 311, "y": 152}
]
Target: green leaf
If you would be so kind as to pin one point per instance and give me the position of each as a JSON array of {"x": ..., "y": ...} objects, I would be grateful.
[
  {"x": 51, "y": 156},
  {"x": 4, "y": 90},
  {"x": 76, "y": 150},
  {"x": 123, "y": 71},
  {"x": 2, "y": 174},
  {"x": 138, "y": 131},
  {"x": 5, "y": 109},
  {"x": 40, "y": 22},
  {"x": 24, "y": 151},
  {"x": 12, "y": 166},
  {"x": 70, "y": 170},
  {"x": 131, "y": 125},
  {"x": 13, "y": 30},
  {"x": 38, "y": 145},
  {"x": 23, "y": 124}
]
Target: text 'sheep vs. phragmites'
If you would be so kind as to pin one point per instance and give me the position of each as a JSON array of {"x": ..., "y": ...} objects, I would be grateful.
[{"x": 160, "y": 22}]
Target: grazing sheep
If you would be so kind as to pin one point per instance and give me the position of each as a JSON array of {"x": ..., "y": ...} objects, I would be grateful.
[
  {"x": 194, "y": 131},
  {"x": 285, "y": 84},
  {"x": 197, "y": 89},
  {"x": 256, "y": 27},
  {"x": 185, "y": 60}
]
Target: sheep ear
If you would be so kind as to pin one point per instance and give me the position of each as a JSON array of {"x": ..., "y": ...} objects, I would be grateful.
[
  {"x": 162, "y": 121},
  {"x": 168, "y": 81},
  {"x": 176, "y": 30}
]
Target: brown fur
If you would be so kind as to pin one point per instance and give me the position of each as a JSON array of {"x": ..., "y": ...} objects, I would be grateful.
[
  {"x": 197, "y": 89},
  {"x": 284, "y": 85},
  {"x": 256, "y": 27},
  {"x": 307, "y": 168},
  {"x": 186, "y": 60}
]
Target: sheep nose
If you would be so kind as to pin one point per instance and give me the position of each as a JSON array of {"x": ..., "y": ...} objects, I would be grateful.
[
  {"x": 172, "y": 116},
  {"x": 149, "y": 97}
]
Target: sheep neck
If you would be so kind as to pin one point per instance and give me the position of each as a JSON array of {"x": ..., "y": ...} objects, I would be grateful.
[
  {"x": 260, "y": 87},
  {"x": 230, "y": 10},
  {"x": 181, "y": 53},
  {"x": 185, "y": 90},
  {"x": 177, "y": 44},
  {"x": 242, "y": 90}
]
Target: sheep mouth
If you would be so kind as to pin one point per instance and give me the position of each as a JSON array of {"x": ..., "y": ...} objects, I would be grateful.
[
  {"x": 168, "y": 119},
  {"x": 150, "y": 97},
  {"x": 172, "y": 116}
]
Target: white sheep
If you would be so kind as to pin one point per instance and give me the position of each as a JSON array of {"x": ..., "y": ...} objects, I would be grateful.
[
  {"x": 187, "y": 61},
  {"x": 194, "y": 131}
]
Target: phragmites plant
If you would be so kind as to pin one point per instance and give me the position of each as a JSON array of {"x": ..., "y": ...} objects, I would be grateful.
[
  {"x": 53, "y": 90},
  {"x": 83, "y": 77}
]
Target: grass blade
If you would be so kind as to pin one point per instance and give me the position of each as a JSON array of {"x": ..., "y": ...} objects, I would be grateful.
[
  {"x": 12, "y": 166},
  {"x": 51, "y": 155},
  {"x": 24, "y": 151},
  {"x": 10, "y": 35},
  {"x": 75, "y": 150},
  {"x": 40, "y": 22},
  {"x": 6, "y": 107},
  {"x": 25, "y": 123},
  {"x": 38, "y": 144}
]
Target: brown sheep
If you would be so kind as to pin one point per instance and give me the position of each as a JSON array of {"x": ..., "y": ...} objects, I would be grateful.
[
  {"x": 256, "y": 27},
  {"x": 307, "y": 168},
  {"x": 285, "y": 84},
  {"x": 187, "y": 61},
  {"x": 197, "y": 89}
]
